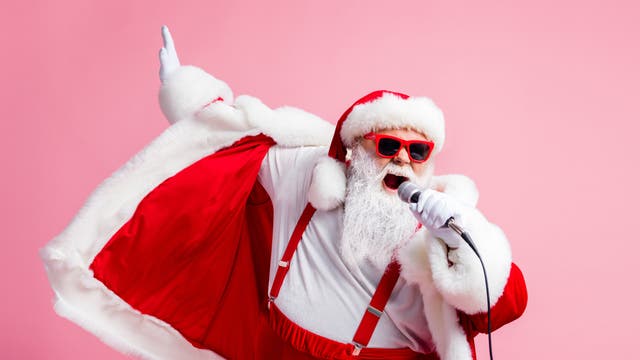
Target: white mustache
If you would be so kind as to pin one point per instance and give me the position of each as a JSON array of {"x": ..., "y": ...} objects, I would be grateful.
[{"x": 397, "y": 170}]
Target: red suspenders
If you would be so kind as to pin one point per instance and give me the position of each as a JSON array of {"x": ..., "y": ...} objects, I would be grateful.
[
  {"x": 283, "y": 264},
  {"x": 376, "y": 307},
  {"x": 378, "y": 301}
]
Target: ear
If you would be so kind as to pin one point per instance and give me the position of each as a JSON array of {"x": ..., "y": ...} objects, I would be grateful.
[{"x": 328, "y": 184}]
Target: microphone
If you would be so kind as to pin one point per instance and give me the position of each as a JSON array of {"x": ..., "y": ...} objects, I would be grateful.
[{"x": 410, "y": 193}]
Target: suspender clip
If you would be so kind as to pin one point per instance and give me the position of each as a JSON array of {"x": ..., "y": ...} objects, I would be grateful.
[
  {"x": 377, "y": 313},
  {"x": 357, "y": 347}
]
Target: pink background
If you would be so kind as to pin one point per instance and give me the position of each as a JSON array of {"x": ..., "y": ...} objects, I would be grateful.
[{"x": 541, "y": 100}]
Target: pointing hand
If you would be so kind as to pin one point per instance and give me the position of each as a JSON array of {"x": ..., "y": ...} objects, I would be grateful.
[{"x": 169, "y": 61}]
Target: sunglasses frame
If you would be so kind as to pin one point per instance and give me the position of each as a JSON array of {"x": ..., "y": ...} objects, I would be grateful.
[{"x": 403, "y": 144}]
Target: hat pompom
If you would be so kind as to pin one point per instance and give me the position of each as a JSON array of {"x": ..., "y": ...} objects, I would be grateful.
[{"x": 328, "y": 184}]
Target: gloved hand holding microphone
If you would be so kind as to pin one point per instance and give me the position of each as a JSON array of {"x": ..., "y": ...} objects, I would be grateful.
[{"x": 433, "y": 209}]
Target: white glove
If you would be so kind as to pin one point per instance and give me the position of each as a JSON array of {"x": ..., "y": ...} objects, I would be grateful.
[
  {"x": 433, "y": 209},
  {"x": 169, "y": 61}
]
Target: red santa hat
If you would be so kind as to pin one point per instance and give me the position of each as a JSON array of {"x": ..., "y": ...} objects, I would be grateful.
[{"x": 379, "y": 110}]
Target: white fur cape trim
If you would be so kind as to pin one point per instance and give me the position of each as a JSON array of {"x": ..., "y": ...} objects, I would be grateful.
[
  {"x": 392, "y": 112},
  {"x": 461, "y": 286},
  {"x": 288, "y": 126}
]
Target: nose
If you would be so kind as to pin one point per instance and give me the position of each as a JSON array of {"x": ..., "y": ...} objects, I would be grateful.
[{"x": 402, "y": 157}]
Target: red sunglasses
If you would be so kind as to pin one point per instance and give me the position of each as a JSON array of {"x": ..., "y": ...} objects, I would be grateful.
[{"x": 388, "y": 146}]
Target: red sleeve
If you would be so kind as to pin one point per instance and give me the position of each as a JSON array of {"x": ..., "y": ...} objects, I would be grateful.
[{"x": 509, "y": 307}]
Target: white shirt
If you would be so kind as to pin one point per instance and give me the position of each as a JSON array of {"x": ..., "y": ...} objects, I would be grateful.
[{"x": 320, "y": 293}]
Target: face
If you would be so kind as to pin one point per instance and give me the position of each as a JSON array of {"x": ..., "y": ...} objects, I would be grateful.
[
  {"x": 391, "y": 181},
  {"x": 375, "y": 221}
]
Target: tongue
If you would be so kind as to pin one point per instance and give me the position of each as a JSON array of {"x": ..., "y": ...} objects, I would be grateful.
[{"x": 393, "y": 181}]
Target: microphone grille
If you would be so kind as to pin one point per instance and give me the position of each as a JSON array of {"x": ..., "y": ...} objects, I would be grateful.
[{"x": 407, "y": 190}]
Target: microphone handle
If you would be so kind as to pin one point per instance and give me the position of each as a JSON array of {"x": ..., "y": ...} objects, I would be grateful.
[
  {"x": 451, "y": 224},
  {"x": 463, "y": 234}
]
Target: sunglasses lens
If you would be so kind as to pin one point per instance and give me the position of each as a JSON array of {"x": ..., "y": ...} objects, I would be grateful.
[
  {"x": 419, "y": 151},
  {"x": 388, "y": 147}
]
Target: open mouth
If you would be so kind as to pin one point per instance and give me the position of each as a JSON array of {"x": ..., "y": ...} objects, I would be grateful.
[{"x": 393, "y": 181}]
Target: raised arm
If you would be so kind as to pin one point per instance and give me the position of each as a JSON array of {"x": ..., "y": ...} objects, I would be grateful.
[{"x": 188, "y": 90}]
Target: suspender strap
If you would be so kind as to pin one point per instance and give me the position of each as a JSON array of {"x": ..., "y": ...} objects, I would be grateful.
[
  {"x": 376, "y": 307},
  {"x": 285, "y": 261}
]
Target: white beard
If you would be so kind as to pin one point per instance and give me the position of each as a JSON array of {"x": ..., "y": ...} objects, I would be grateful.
[{"x": 376, "y": 222}]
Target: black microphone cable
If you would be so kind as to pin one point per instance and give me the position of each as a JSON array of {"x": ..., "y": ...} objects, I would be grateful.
[{"x": 467, "y": 238}]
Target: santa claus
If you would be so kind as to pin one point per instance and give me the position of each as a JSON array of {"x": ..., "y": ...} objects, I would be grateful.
[{"x": 239, "y": 233}]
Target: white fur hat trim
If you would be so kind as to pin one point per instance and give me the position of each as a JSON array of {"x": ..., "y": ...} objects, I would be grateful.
[{"x": 393, "y": 112}]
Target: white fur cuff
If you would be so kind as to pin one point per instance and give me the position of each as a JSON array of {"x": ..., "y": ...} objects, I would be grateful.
[
  {"x": 189, "y": 89},
  {"x": 462, "y": 284}
]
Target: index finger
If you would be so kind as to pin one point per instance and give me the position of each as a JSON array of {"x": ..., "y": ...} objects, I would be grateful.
[{"x": 167, "y": 40}]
